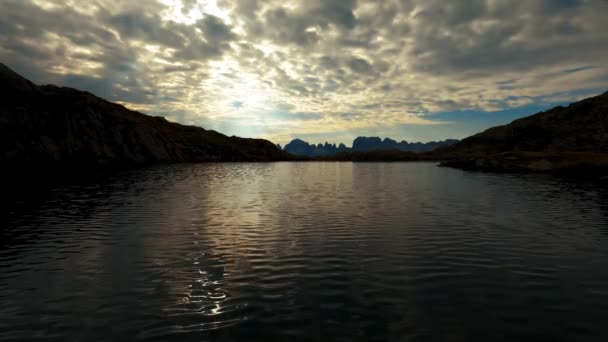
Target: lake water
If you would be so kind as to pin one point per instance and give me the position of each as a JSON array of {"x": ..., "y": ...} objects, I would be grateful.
[{"x": 306, "y": 252}]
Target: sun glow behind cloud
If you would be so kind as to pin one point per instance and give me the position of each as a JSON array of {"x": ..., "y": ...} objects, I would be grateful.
[
  {"x": 234, "y": 84},
  {"x": 188, "y": 12},
  {"x": 229, "y": 82}
]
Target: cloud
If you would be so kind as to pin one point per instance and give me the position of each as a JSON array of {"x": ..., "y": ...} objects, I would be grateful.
[
  {"x": 280, "y": 68},
  {"x": 359, "y": 65}
]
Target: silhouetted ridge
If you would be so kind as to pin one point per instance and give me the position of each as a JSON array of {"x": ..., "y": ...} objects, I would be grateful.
[
  {"x": 582, "y": 126},
  {"x": 13, "y": 84},
  {"x": 575, "y": 136},
  {"x": 50, "y": 124}
]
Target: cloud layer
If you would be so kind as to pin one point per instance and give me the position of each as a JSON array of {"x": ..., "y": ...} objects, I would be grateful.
[{"x": 328, "y": 70}]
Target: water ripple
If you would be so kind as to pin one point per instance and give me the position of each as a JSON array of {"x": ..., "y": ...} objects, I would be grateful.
[{"x": 306, "y": 251}]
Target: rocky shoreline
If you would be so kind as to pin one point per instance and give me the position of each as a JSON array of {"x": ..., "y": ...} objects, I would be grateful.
[{"x": 570, "y": 163}]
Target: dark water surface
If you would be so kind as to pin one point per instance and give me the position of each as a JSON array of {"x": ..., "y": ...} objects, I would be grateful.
[{"x": 307, "y": 252}]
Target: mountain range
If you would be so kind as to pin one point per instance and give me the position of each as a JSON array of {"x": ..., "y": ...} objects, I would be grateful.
[{"x": 362, "y": 144}]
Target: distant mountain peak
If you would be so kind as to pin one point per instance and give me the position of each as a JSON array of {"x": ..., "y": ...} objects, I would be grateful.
[{"x": 361, "y": 144}]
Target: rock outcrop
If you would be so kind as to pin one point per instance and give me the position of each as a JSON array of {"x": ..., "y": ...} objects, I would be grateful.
[
  {"x": 560, "y": 139},
  {"x": 56, "y": 125}
]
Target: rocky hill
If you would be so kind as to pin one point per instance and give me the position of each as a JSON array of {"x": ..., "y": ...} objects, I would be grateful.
[
  {"x": 563, "y": 137},
  {"x": 55, "y": 125}
]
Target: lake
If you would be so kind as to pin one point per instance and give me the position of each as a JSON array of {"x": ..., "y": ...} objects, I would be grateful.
[{"x": 306, "y": 252}]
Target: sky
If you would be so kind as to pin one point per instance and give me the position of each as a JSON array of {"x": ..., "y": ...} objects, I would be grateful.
[{"x": 415, "y": 70}]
